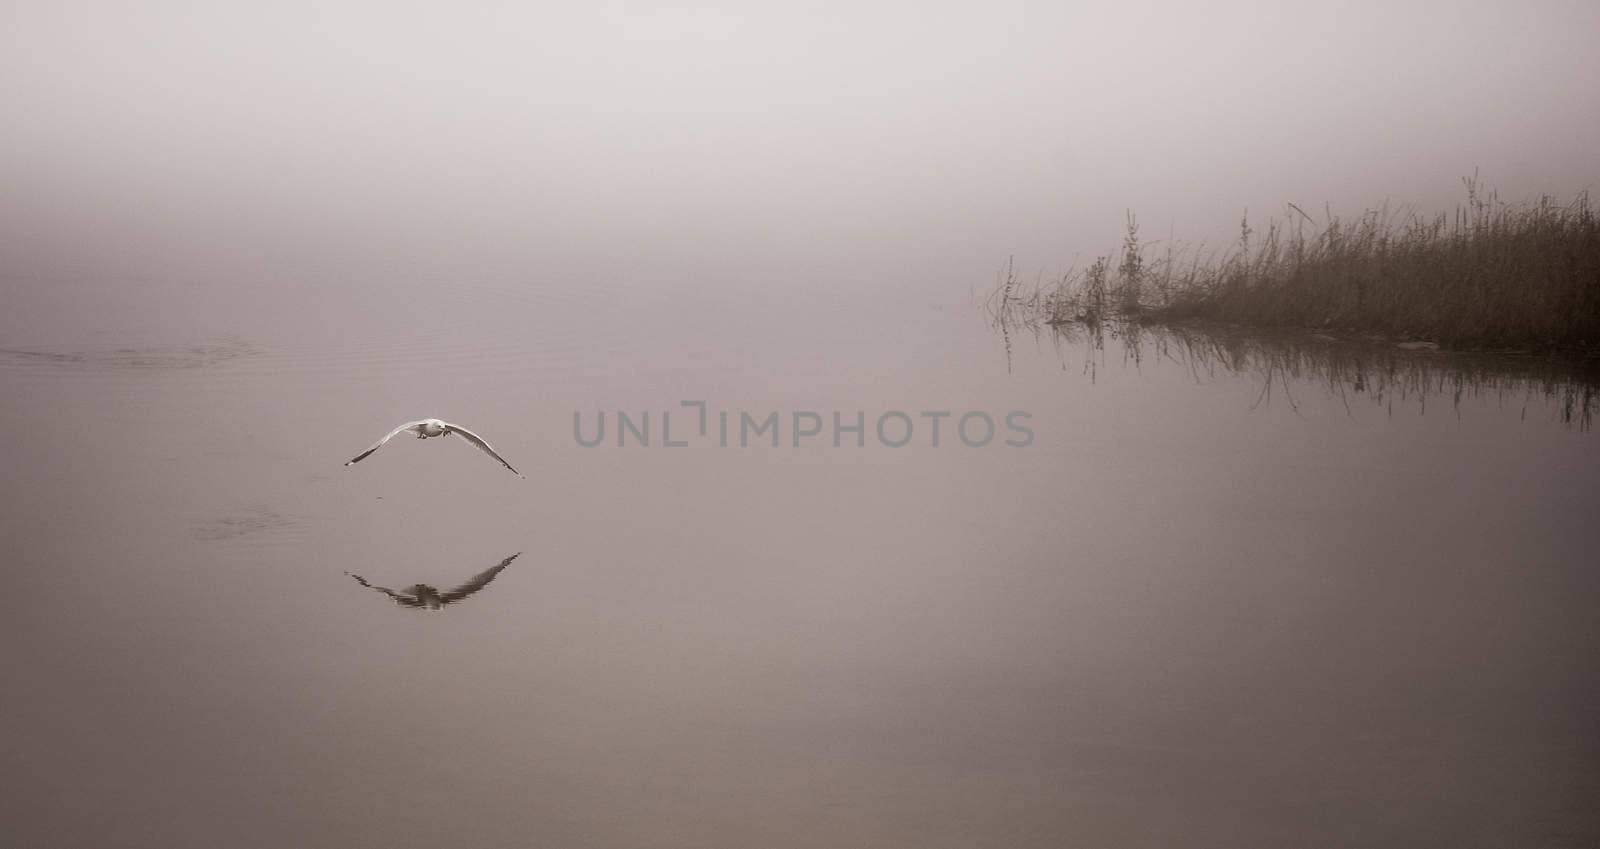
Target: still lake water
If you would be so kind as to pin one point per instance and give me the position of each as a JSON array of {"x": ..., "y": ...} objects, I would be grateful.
[{"x": 1190, "y": 613}]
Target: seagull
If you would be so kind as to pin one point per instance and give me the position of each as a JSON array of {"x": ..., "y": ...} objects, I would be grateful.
[
  {"x": 427, "y": 428},
  {"x": 425, "y": 596}
]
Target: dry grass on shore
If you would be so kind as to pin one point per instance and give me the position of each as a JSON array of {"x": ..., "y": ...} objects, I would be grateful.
[{"x": 1490, "y": 276}]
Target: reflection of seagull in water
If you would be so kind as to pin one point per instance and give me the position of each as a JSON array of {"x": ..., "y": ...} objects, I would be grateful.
[
  {"x": 422, "y": 595},
  {"x": 427, "y": 428}
]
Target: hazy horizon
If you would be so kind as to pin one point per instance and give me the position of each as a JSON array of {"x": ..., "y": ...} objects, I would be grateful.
[{"x": 711, "y": 139}]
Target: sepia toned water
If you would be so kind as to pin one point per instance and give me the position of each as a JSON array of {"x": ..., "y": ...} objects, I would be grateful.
[{"x": 1210, "y": 604}]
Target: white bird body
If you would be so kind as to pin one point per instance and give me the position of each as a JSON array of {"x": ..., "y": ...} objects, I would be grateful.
[{"x": 429, "y": 428}]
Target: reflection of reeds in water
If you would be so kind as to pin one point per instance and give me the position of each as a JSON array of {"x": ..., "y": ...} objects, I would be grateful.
[{"x": 1348, "y": 367}]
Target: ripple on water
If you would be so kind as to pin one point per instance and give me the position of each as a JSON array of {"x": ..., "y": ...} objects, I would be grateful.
[
  {"x": 254, "y": 524},
  {"x": 211, "y": 352}
]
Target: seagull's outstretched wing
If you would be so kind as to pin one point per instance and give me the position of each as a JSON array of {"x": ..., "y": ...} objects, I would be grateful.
[
  {"x": 478, "y": 582},
  {"x": 475, "y": 440},
  {"x": 392, "y": 434},
  {"x": 406, "y": 600}
]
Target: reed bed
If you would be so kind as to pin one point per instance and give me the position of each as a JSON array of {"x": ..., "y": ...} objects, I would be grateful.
[{"x": 1490, "y": 276}]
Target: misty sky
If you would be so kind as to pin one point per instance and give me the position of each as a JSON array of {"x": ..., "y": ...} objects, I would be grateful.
[{"x": 179, "y": 138}]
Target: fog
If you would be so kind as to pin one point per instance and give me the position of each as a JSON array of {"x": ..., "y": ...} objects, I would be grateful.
[
  {"x": 1242, "y": 594},
  {"x": 703, "y": 139}
]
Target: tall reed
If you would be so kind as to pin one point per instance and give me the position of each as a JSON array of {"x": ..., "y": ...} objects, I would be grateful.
[{"x": 1489, "y": 276}]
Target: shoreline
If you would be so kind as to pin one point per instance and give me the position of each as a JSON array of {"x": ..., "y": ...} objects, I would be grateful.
[{"x": 1491, "y": 277}]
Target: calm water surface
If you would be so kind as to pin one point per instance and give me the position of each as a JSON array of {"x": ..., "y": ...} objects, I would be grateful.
[{"x": 1186, "y": 615}]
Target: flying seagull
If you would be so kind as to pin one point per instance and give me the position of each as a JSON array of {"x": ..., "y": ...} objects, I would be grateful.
[
  {"x": 425, "y": 596},
  {"x": 427, "y": 428}
]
